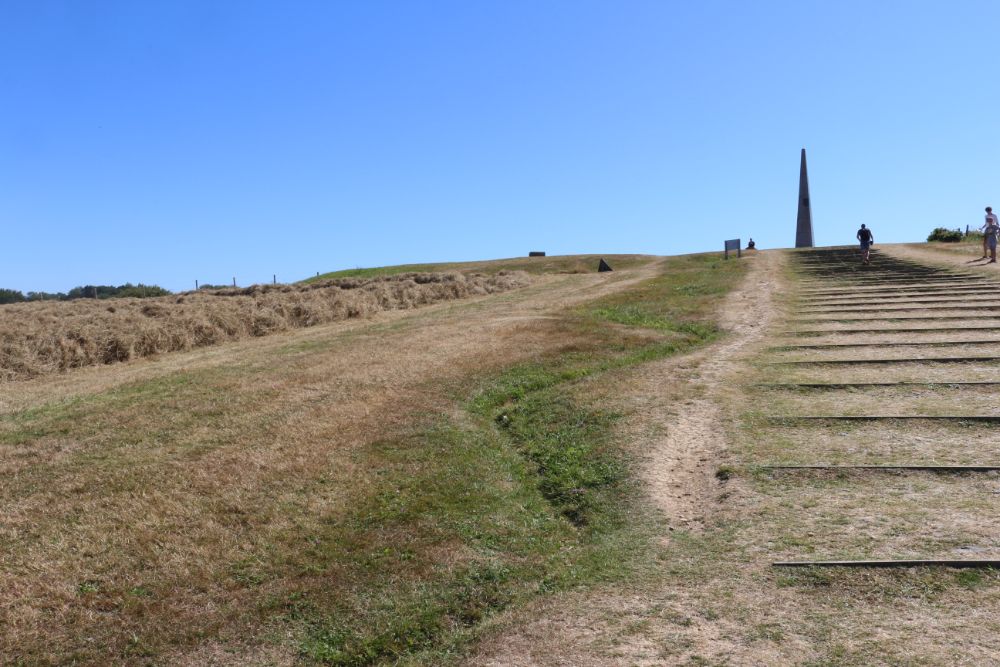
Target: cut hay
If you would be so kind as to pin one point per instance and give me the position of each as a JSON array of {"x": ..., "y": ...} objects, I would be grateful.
[{"x": 49, "y": 337}]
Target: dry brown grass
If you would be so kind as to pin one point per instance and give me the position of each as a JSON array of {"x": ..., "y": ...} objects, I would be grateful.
[
  {"x": 47, "y": 337},
  {"x": 164, "y": 511}
]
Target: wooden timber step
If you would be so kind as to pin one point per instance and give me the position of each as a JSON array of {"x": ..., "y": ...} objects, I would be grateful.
[
  {"x": 863, "y": 385},
  {"x": 963, "y": 282},
  {"x": 988, "y": 419},
  {"x": 849, "y": 272},
  {"x": 902, "y": 360},
  {"x": 890, "y": 318},
  {"x": 823, "y": 279},
  {"x": 897, "y": 301},
  {"x": 907, "y": 467},
  {"x": 900, "y": 292},
  {"x": 885, "y": 282},
  {"x": 854, "y": 291},
  {"x": 833, "y": 289},
  {"x": 889, "y": 309},
  {"x": 824, "y": 332},
  {"x": 853, "y": 271},
  {"x": 831, "y": 346},
  {"x": 910, "y": 292},
  {"x": 913, "y": 562}
]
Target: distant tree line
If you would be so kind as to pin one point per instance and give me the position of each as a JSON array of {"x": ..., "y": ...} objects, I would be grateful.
[
  {"x": 85, "y": 292},
  {"x": 10, "y": 296}
]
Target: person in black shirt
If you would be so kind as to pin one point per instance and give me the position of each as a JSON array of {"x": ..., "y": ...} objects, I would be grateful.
[{"x": 867, "y": 239}]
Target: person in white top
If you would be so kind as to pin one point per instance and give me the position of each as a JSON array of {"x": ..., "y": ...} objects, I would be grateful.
[
  {"x": 990, "y": 231},
  {"x": 990, "y": 217}
]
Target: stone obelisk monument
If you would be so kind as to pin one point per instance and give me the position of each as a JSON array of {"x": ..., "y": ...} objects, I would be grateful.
[{"x": 804, "y": 223}]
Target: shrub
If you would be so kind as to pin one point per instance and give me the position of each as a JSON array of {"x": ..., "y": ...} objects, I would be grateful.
[
  {"x": 946, "y": 235},
  {"x": 141, "y": 291},
  {"x": 110, "y": 291},
  {"x": 11, "y": 296}
]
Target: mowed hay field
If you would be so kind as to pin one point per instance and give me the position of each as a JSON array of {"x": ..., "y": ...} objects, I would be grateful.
[
  {"x": 362, "y": 492},
  {"x": 45, "y": 337}
]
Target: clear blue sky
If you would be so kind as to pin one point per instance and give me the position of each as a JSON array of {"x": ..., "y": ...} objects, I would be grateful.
[{"x": 171, "y": 141}]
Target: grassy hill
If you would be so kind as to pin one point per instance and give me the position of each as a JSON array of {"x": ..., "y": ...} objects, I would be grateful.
[
  {"x": 575, "y": 470},
  {"x": 359, "y": 492},
  {"x": 534, "y": 265}
]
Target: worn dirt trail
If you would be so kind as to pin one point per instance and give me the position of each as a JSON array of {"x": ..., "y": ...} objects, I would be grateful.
[
  {"x": 682, "y": 462},
  {"x": 678, "y": 412}
]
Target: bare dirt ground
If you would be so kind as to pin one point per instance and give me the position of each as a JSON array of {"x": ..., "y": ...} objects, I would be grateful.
[
  {"x": 959, "y": 256},
  {"x": 684, "y": 443}
]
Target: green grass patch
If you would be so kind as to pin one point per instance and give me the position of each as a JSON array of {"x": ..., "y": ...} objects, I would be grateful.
[
  {"x": 532, "y": 494},
  {"x": 451, "y": 534},
  {"x": 535, "y": 265},
  {"x": 380, "y": 271},
  {"x": 683, "y": 299}
]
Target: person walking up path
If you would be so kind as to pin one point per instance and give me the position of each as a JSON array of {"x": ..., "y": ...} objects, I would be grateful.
[
  {"x": 990, "y": 217},
  {"x": 990, "y": 231},
  {"x": 867, "y": 239}
]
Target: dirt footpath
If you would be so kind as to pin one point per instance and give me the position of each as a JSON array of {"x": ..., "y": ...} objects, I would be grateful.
[
  {"x": 682, "y": 462},
  {"x": 679, "y": 422}
]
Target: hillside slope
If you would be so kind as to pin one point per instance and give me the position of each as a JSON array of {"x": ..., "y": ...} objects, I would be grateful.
[
  {"x": 855, "y": 422},
  {"x": 55, "y": 336},
  {"x": 353, "y": 493}
]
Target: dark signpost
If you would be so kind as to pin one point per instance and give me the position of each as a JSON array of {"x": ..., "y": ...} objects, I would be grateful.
[{"x": 733, "y": 244}]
